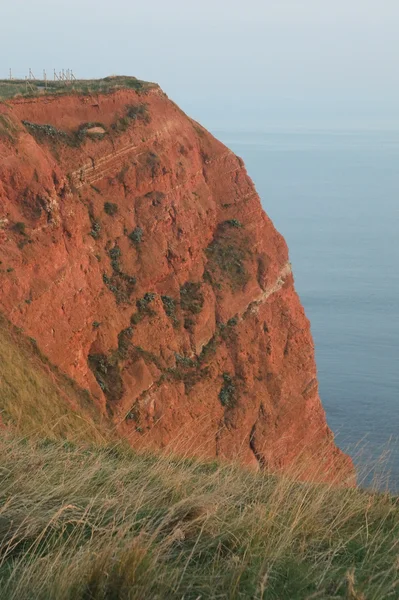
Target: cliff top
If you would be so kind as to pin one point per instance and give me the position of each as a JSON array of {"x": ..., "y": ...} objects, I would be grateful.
[{"x": 11, "y": 88}]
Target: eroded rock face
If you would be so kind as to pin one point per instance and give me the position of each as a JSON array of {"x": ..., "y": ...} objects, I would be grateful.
[{"x": 135, "y": 250}]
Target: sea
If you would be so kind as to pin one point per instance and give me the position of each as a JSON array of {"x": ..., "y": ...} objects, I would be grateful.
[{"x": 334, "y": 195}]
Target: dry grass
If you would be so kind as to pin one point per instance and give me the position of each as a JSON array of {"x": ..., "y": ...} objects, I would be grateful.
[
  {"x": 84, "y": 519},
  {"x": 106, "y": 523},
  {"x": 35, "y": 399},
  {"x": 8, "y": 128}
]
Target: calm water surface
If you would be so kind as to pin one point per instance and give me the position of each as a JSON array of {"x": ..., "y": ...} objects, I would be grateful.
[{"x": 335, "y": 198}]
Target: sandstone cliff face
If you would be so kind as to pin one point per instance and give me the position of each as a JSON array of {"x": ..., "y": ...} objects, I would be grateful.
[{"x": 135, "y": 250}]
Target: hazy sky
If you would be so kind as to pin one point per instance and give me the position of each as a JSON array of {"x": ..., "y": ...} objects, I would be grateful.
[{"x": 230, "y": 63}]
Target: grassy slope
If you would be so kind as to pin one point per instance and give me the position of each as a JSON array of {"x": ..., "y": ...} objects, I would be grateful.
[
  {"x": 107, "y": 523},
  {"x": 82, "y": 519},
  {"x": 36, "y": 399}
]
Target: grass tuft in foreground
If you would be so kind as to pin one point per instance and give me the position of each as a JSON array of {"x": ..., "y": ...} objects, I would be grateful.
[
  {"x": 106, "y": 523},
  {"x": 84, "y": 519}
]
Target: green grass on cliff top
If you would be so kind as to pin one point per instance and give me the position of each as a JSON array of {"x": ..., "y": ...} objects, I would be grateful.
[
  {"x": 84, "y": 518},
  {"x": 11, "y": 88}
]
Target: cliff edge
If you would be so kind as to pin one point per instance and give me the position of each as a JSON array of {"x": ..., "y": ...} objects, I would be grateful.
[{"x": 135, "y": 250}]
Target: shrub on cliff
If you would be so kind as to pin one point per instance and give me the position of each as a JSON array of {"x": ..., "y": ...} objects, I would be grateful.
[
  {"x": 134, "y": 112},
  {"x": 191, "y": 297},
  {"x": 144, "y": 305},
  {"x": 229, "y": 259},
  {"x": 169, "y": 306},
  {"x": 110, "y": 208},
  {"x": 19, "y": 227},
  {"x": 95, "y": 225},
  {"x": 107, "y": 373},
  {"x": 228, "y": 394},
  {"x": 228, "y": 254},
  {"x": 119, "y": 283},
  {"x": 233, "y": 223},
  {"x": 136, "y": 235},
  {"x": 138, "y": 112}
]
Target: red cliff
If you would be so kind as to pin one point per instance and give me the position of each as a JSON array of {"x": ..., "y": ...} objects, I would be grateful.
[{"x": 135, "y": 250}]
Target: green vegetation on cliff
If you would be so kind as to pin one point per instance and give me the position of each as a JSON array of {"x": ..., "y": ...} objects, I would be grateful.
[{"x": 9, "y": 88}]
